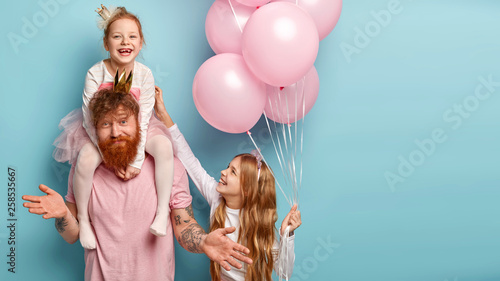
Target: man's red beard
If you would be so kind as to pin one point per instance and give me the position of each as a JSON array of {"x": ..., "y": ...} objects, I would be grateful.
[{"x": 122, "y": 154}]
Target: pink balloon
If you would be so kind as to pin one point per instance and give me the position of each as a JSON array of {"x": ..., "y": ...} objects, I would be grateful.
[
  {"x": 280, "y": 43},
  {"x": 325, "y": 13},
  {"x": 284, "y": 102},
  {"x": 253, "y": 3},
  {"x": 222, "y": 27},
  {"x": 227, "y": 95}
]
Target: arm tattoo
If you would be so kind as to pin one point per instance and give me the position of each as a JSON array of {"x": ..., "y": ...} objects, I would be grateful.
[
  {"x": 61, "y": 224},
  {"x": 189, "y": 210},
  {"x": 177, "y": 220},
  {"x": 191, "y": 237}
]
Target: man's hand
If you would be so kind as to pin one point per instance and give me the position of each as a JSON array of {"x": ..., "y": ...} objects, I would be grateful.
[
  {"x": 50, "y": 206},
  {"x": 215, "y": 245},
  {"x": 224, "y": 251},
  {"x": 127, "y": 174}
]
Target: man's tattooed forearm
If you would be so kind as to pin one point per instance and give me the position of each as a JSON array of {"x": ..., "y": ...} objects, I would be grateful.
[
  {"x": 189, "y": 210},
  {"x": 61, "y": 224},
  {"x": 178, "y": 220},
  {"x": 191, "y": 237}
]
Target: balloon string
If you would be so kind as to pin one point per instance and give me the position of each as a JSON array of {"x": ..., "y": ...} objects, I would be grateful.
[
  {"x": 278, "y": 139},
  {"x": 288, "y": 122},
  {"x": 289, "y": 172},
  {"x": 302, "y": 133},
  {"x": 291, "y": 160},
  {"x": 274, "y": 144},
  {"x": 294, "y": 186},
  {"x": 283, "y": 131},
  {"x": 295, "y": 190},
  {"x": 288, "y": 157},
  {"x": 296, "y": 110},
  {"x": 303, "y": 87},
  {"x": 264, "y": 159},
  {"x": 283, "y": 124},
  {"x": 235, "y": 17}
]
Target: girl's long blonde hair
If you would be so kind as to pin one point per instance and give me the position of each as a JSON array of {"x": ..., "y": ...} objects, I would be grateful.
[{"x": 257, "y": 218}]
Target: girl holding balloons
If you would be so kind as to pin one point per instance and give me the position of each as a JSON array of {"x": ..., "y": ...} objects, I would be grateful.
[{"x": 244, "y": 197}]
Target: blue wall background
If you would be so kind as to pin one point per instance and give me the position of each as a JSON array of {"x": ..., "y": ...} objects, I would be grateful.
[{"x": 409, "y": 101}]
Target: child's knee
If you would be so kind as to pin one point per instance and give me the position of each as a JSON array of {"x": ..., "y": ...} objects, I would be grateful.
[
  {"x": 160, "y": 146},
  {"x": 88, "y": 158}
]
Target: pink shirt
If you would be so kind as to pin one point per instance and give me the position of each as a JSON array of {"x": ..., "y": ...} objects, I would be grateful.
[{"x": 121, "y": 213}]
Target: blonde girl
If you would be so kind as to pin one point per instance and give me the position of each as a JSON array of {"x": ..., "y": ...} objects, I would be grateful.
[
  {"x": 244, "y": 197},
  {"x": 78, "y": 143}
]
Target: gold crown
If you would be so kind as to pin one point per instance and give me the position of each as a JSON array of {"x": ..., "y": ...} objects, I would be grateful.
[
  {"x": 103, "y": 12},
  {"x": 121, "y": 84}
]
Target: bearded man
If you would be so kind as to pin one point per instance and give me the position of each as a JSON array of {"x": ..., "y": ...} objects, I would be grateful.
[{"x": 121, "y": 211}]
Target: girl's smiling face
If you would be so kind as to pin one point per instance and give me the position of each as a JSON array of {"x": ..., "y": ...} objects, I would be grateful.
[
  {"x": 229, "y": 184},
  {"x": 123, "y": 42}
]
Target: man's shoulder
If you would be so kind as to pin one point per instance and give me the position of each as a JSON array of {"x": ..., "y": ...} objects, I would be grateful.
[
  {"x": 180, "y": 174},
  {"x": 181, "y": 196},
  {"x": 178, "y": 165}
]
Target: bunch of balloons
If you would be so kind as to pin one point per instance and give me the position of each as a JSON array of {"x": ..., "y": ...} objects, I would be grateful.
[{"x": 264, "y": 60}]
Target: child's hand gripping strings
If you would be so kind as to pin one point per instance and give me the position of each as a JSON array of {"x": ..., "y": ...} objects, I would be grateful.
[{"x": 292, "y": 219}]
